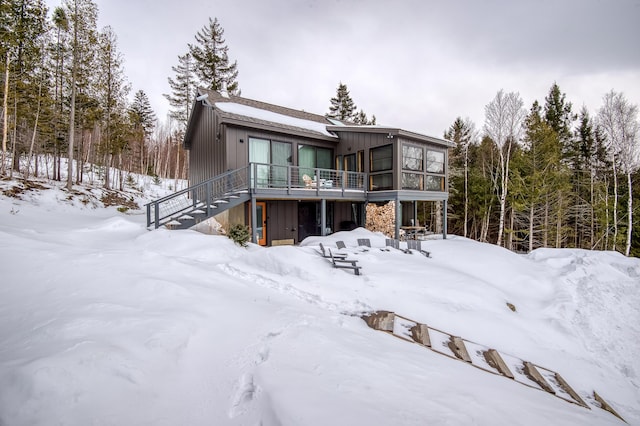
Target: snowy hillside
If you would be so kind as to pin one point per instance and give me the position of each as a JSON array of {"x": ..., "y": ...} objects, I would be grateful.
[{"x": 104, "y": 322}]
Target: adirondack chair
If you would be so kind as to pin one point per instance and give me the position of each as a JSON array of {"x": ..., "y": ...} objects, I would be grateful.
[
  {"x": 324, "y": 253},
  {"x": 364, "y": 242},
  {"x": 345, "y": 263},
  {"x": 340, "y": 245},
  {"x": 417, "y": 245},
  {"x": 396, "y": 245}
]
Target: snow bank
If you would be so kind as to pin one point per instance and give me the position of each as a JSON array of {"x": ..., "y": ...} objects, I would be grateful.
[{"x": 104, "y": 322}]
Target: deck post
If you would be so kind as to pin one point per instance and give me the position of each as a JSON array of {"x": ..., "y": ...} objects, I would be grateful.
[
  {"x": 398, "y": 218},
  {"x": 444, "y": 219},
  {"x": 323, "y": 217},
  {"x": 254, "y": 220}
]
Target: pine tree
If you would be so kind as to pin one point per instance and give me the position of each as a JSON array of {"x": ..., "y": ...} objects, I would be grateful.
[
  {"x": 462, "y": 133},
  {"x": 143, "y": 119},
  {"x": 82, "y": 15},
  {"x": 362, "y": 119},
  {"x": 342, "y": 106},
  {"x": 558, "y": 115},
  {"x": 211, "y": 57},
  {"x": 22, "y": 29},
  {"x": 113, "y": 89},
  {"x": 59, "y": 55},
  {"x": 183, "y": 90}
]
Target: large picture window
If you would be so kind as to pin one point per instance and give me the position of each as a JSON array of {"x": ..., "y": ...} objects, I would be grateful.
[
  {"x": 274, "y": 157},
  {"x": 312, "y": 157},
  {"x": 412, "y": 157},
  {"x": 381, "y": 158}
]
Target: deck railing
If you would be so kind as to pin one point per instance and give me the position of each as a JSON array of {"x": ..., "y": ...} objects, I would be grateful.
[
  {"x": 251, "y": 178},
  {"x": 200, "y": 196},
  {"x": 295, "y": 177}
]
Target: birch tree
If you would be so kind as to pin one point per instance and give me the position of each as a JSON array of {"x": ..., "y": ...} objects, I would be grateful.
[
  {"x": 619, "y": 121},
  {"x": 504, "y": 116}
]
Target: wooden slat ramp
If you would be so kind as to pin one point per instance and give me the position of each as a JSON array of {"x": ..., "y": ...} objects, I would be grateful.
[{"x": 484, "y": 358}]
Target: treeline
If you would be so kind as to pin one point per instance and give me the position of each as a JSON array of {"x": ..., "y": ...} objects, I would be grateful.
[
  {"x": 547, "y": 176},
  {"x": 65, "y": 95}
]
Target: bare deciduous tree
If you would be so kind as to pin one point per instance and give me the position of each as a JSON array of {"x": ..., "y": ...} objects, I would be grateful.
[
  {"x": 619, "y": 121},
  {"x": 504, "y": 116}
]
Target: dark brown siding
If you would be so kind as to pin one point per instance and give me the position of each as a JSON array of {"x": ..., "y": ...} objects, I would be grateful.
[
  {"x": 238, "y": 152},
  {"x": 206, "y": 157},
  {"x": 282, "y": 221}
]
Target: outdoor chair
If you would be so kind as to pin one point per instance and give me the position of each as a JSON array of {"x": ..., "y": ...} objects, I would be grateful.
[
  {"x": 364, "y": 242},
  {"x": 417, "y": 245},
  {"x": 389, "y": 242},
  {"x": 326, "y": 255},
  {"x": 340, "y": 245},
  {"x": 344, "y": 263}
]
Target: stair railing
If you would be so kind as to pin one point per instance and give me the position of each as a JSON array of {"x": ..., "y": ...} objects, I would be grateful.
[{"x": 201, "y": 196}]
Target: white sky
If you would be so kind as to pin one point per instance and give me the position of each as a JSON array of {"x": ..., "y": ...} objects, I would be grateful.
[{"x": 415, "y": 64}]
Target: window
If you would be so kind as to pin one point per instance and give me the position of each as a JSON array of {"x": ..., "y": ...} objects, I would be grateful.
[
  {"x": 350, "y": 162},
  {"x": 312, "y": 157},
  {"x": 360, "y": 161},
  {"x": 434, "y": 183},
  {"x": 435, "y": 161},
  {"x": 412, "y": 157},
  {"x": 381, "y": 158},
  {"x": 381, "y": 181},
  {"x": 412, "y": 181},
  {"x": 273, "y": 157}
]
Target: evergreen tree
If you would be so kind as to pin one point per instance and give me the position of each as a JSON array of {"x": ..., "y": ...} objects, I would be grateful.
[
  {"x": 211, "y": 57},
  {"x": 22, "y": 29},
  {"x": 361, "y": 118},
  {"x": 342, "y": 106},
  {"x": 183, "y": 89},
  {"x": 59, "y": 54},
  {"x": 143, "y": 120},
  {"x": 82, "y": 15},
  {"x": 558, "y": 115},
  {"x": 462, "y": 133},
  {"x": 113, "y": 89}
]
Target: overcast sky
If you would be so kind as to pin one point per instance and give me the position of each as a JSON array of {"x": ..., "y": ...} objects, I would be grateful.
[{"x": 415, "y": 64}]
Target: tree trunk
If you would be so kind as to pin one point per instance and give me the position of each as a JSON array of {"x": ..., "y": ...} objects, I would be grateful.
[
  {"x": 629, "y": 214},
  {"x": 615, "y": 205},
  {"x": 545, "y": 231},
  {"x": 466, "y": 189},
  {"x": 531, "y": 228},
  {"x": 5, "y": 121}
]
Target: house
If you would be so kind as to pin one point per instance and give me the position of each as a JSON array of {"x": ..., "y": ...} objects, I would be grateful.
[{"x": 289, "y": 174}]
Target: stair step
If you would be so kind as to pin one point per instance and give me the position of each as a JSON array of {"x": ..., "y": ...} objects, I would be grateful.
[
  {"x": 484, "y": 358},
  {"x": 220, "y": 201}
]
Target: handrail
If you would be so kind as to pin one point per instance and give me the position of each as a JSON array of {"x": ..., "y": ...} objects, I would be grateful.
[
  {"x": 252, "y": 178},
  {"x": 203, "y": 194}
]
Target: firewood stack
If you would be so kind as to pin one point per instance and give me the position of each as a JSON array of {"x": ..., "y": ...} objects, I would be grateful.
[{"x": 382, "y": 218}]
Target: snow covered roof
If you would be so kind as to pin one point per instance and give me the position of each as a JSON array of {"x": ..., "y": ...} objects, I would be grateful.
[{"x": 257, "y": 115}]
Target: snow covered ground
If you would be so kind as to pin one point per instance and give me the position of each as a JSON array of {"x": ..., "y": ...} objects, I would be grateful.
[{"x": 103, "y": 322}]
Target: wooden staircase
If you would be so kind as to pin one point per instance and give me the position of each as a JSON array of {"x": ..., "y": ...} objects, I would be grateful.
[{"x": 487, "y": 359}]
